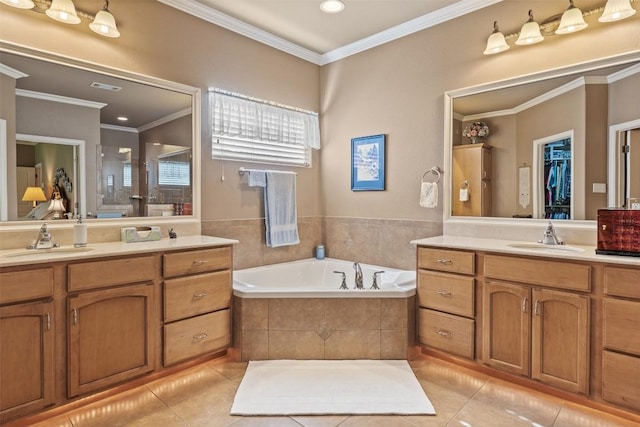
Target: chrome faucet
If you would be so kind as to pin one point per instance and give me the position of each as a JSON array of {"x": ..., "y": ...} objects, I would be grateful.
[
  {"x": 359, "y": 284},
  {"x": 44, "y": 240},
  {"x": 550, "y": 237}
]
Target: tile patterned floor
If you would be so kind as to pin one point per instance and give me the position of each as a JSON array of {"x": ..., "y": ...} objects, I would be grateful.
[{"x": 202, "y": 396}]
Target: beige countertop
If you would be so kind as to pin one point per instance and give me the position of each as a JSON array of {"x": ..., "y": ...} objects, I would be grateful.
[
  {"x": 16, "y": 257},
  {"x": 515, "y": 247}
]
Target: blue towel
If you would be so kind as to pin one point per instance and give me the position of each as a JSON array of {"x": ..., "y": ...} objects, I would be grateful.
[{"x": 281, "y": 217}]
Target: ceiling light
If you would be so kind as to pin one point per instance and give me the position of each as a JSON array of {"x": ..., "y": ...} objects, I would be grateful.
[
  {"x": 63, "y": 11},
  {"x": 572, "y": 20},
  {"x": 530, "y": 32},
  {"x": 616, "y": 10},
  {"x": 496, "y": 42},
  {"x": 123, "y": 118},
  {"x": 104, "y": 23},
  {"x": 332, "y": 6},
  {"x": 20, "y": 4},
  {"x": 105, "y": 86}
]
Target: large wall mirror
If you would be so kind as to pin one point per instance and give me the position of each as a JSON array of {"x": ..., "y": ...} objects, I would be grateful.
[
  {"x": 551, "y": 150},
  {"x": 99, "y": 143}
]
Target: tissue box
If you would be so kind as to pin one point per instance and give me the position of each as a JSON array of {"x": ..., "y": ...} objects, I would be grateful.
[{"x": 139, "y": 234}]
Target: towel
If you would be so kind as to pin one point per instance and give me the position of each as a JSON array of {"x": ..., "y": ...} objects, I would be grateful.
[
  {"x": 280, "y": 213},
  {"x": 429, "y": 194}
]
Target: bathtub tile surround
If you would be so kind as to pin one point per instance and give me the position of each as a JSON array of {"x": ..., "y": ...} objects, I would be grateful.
[{"x": 324, "y": 328}]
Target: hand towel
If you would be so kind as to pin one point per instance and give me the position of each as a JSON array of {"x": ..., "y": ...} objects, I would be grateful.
[{"x": 429, "y": 194}]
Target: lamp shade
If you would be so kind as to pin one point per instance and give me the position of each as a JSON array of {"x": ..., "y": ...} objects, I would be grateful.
[
  {"x": 571, "y": 21},
  {"x": 63, "y": 11},
  {"x": 616, "y": 10},
  {"x": 496, "y": 42},
  {"x": 20, "y": 4},
  {"x": 105, "y": 24},
  {"x": 530, "y": 32},
  {"x": 34, "y": 194}
]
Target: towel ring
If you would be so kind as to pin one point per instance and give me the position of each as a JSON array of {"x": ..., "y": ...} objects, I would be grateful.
[
  {"x": 464, "y": 185},
  {"x": 434, "y": 170}
]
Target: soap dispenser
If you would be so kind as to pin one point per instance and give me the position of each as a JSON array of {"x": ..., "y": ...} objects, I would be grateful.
[{"x": 79, "y": 234}]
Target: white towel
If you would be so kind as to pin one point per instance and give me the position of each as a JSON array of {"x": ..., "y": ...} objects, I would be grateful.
[
  {"x": 429, "y": 194},
  {"x": 280, "y": 213}
]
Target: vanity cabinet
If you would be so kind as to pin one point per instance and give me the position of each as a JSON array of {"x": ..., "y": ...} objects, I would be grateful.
[
  {"x": 471, "y": 172},
  {"x": 197, "y": 303},
  {"x": 621, "y": 337},
  {"x": 27, "y": 372},
  {"x": 110, "y": 322},
  {"x": 446, "y": 289}
]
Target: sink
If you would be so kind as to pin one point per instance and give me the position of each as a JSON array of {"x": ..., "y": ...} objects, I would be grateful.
[
  {"x": 46, "y": 252},
  {"x": 542, "y": 247}
]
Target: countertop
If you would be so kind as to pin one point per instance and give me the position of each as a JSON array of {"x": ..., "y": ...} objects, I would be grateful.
[
  {"x": 16, "y": 257},
  {"x": 573, "y": 252}
]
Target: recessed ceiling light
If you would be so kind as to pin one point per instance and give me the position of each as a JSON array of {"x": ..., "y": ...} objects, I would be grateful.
[
  {"x": 123, "y": 118},
  {"x": 105, "y": 86},
  {"x": 332, "y": 6}
]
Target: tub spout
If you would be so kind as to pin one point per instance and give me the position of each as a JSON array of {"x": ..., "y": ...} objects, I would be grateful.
[{"x": 358, "y": 279}]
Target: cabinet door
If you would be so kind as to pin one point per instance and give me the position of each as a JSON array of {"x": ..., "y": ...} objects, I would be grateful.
[
  {"x": 26, "y": 359},
  {"x": 560, "y": 334},
  {"x": 506, "y": 325},
  {"x": 111, "y": 337}
]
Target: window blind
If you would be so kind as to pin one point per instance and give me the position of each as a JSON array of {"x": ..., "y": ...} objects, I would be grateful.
[{"x": 247, "y": 129}]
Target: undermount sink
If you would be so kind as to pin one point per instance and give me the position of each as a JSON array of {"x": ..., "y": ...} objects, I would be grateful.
[
  {"x": 46, "y": 252},
  {"x": 543, "y": 247}
]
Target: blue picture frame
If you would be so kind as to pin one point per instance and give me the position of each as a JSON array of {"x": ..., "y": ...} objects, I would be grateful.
[{"x": 367, "y": 163}]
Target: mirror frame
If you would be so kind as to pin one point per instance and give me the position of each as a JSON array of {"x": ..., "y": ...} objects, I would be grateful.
[
  {"x": 196, "y": 102},
  {"x": 457, "y": 222}
]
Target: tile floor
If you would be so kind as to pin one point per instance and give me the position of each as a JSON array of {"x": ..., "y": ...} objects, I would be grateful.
[{"x": 202, "y": 396}]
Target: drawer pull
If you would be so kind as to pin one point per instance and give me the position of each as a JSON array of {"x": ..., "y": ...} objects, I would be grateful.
[
  {"x": 444, "y": 333},
  {"x": 198, "y": 262},
  {"x": 200, "y": 337},
  {"x": 444, "y": 261},
  {"x": 74, "y": 311},
  {"x": 525, "y": 304},
  {"x": 199, "y": 295},
  {"x": 48, "y": 321},
  {"x": 444, "y": 294}
]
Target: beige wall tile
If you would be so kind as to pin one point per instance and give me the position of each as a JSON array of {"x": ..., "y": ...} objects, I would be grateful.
[
  {"x": 295, "y": 345},
  {"x": 295, "y": 313},
  {"x": 255, "y": 314},
  {"x": 353, "y": 313},
  {"x": 255, "y": 345},
  {"x": 393, "y": 344},
  {"x": 361, "y": 344},
  {"x": 393, "y": 313}
]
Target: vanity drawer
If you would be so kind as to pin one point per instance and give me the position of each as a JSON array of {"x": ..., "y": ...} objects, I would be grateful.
[
  {"x": 620, "y": 379},
  {"x": 446, "y": 260},
  {"x": 26, "y": 285},
  {"x": 446, "y": 332},
  {"x": 555, "y": 274},
  {"x": 623, "y": 282},
  {"x": 190, "y": 262},
  {"x": 197, "y": 336},
  {"x": 110, "y": 272},
  {"x": 446, "y": 292},
  {"x": 621, "y": 325},
  {"x": 192, "y": 295}
]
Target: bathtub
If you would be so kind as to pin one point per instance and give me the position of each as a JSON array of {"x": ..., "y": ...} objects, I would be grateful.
[
  {"x": 295, "y": 310},
  {"x": 311, "y": 278}
]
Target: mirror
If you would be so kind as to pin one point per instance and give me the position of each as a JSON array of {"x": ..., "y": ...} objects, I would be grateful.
[
  {"x": 104, "y": 122},
  {"x": 576, "y": 108}
]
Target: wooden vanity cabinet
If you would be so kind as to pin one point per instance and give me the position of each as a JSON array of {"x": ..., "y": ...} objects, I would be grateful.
[
  {"x": 111, "y": 323},
  {"x": 27, "y": 371}
]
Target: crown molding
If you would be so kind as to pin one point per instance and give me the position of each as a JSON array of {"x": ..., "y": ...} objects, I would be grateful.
[
  {"x": 57, "y": 98},
  {"x": 623, "y": 74},
  {"x": 166, "y": 119},
  {"x": 118, "y": 128},
  {"x": 12, "y": 72}
]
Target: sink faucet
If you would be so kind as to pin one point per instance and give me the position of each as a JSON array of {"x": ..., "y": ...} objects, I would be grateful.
[
  {"x": 43, "y": 241},
  {"x": 359, "y": 284},
  {"x": 550, "y": 237}
]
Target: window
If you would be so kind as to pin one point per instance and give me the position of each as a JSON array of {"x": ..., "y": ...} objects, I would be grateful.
[
  {"x": 174, "y": 173},
  {"x": 126, "y": 174},
  {"x": 247, "y": 129}
]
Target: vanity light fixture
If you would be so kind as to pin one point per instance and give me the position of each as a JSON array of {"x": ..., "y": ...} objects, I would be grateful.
[
  {"x": 332, "y": 6},
  {"x": 104, "y": 23},
  {"x": 63, "y": 11},
  {"x": 20, "y": 4},
  {"x": 34, "y": 194},
  {"x": 530, "y": 32},
  {"x": 571, "y": 21}
]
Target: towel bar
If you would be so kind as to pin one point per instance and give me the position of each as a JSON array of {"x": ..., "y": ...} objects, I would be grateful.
[{"x": 243, "y": 171}]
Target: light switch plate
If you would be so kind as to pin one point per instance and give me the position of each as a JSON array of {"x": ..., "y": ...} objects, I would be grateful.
[{"x": 599, "y": 187}]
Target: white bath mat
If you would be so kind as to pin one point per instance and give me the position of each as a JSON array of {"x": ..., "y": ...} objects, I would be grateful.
[{"x": 322, "y": 387}]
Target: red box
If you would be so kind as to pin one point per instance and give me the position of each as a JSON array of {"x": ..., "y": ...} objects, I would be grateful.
[{"x": 618, "y": 232}]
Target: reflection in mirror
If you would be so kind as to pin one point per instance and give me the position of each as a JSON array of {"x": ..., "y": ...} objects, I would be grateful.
[
  {"x": 553, "y": 169},
  {"x": 624, "y": 163},
  {"x": 522, "y": 114},
  {"x": 111, "y": 119}
]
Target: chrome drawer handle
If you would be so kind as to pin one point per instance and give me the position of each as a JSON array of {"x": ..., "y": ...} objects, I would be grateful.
[
  {"x": 445, "y": 261},
  {"x": 199, "y": 295},
  {"x": 198, "y": 262},
  {"x": 200, "y": 337},
  {"x": 444, "y": 333},
  {"x": 444, "y": 294}
]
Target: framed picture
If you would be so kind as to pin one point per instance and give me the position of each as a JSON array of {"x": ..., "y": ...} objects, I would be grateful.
[{"x": 367, "y": 163}]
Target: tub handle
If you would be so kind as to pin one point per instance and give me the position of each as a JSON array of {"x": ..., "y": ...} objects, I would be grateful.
[
  {"x": 343, "y": 285},
  {"x": 375, "y": 279}
]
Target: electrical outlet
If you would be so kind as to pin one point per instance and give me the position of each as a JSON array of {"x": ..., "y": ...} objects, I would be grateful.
[{"x": 599, "y": 187}]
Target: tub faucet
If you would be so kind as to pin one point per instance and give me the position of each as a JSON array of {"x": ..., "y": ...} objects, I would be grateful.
[
  {"x": 550, "y": 237},
  {"x": 374, "y": 285},
  {"x": 43, "y": 241},
  {"x": 359, "y": 284}
]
